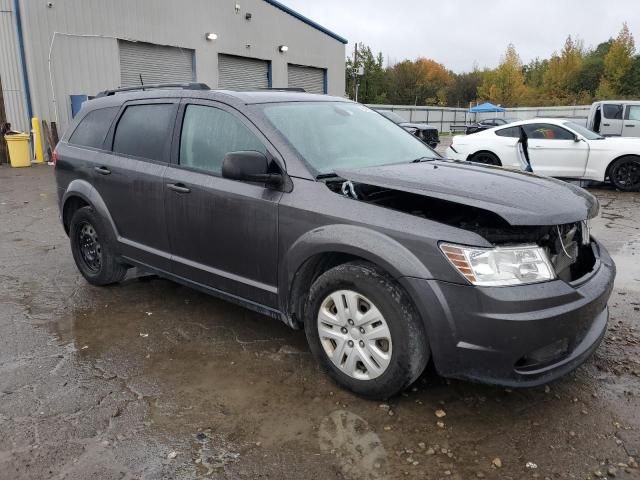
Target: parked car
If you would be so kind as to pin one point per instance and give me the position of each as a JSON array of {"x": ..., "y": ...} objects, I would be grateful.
[
  {"x": 425, "y": 132},
  {"x": 615, "y": 118},
  {"x": 557, "y": 148},
  {"x": 317, "y": 211},
  {"x": 486, "y": 124}
]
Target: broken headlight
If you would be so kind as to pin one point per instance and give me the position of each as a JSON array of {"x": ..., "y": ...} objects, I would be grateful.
[{"x": 500, "y": 266}]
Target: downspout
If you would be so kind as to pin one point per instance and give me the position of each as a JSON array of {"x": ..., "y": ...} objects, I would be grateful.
[{"x": 23, "y": 60}]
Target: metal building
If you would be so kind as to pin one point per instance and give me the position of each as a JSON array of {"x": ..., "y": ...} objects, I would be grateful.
[{"x": 55, "y": 54}]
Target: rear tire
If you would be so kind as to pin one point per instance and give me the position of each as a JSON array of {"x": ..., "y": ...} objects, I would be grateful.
[
  {"x": 624, "y": 173},
  {"x": 375, "y": 349},
  {"x": 486, "y": 158},
  {"x": 92, "y": 246}
]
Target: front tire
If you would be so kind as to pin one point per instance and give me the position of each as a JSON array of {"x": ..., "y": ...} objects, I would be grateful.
[
  {"x": 365, "y": 331},
  {"x": 624, "y": 173},
  {"x": 92, "y": 246}
]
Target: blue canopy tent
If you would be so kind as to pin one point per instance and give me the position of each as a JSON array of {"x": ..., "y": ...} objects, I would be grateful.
[{"x": 486, "y": 107}]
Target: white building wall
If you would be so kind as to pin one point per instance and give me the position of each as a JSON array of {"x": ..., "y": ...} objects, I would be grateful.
[{"x": 84, "y": 65}]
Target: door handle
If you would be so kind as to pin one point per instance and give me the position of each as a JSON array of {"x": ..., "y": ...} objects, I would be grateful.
[
  {"x": 630, "y": 125},
  {"x": 606, "y": 124},
  {"x": 178, "y": 187},
  {"x": 102, "y": 170}
]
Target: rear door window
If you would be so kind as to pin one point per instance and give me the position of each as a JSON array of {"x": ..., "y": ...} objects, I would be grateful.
[
  {"x": 144, "y": 131},
  {"x": 633, "y": 112},
  {"x": 93, "y": 128},
  {"x": 612, "y": 111},
  {"x": 209, "y": 133}
]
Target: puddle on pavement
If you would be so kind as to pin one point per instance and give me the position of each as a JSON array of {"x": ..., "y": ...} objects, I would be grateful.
[{"x": 235, "y": 384}]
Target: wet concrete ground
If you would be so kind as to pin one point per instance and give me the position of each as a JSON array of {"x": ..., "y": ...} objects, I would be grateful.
[{"x": 148, "y": 379}]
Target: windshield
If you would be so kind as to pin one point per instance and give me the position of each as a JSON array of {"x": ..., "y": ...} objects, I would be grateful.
[
  {"x": 334, "y": 135},
  {"x": 394, "y": 117},
  {"x": 585, "y": 132}
]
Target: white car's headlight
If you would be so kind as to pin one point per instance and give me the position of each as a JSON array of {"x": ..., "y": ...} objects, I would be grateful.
[{"x": 500, "y": 266}]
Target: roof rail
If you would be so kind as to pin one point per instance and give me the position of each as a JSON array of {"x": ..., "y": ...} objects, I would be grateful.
[
  {"x": 155, "y": 86},
  {"x": 285, "y": 89}
]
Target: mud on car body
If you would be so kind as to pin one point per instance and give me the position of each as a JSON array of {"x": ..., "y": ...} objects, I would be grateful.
[{"x": 319, "y": 212}]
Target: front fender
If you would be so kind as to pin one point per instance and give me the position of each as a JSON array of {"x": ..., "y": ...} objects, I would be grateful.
[
  {"x": 87, "y": 192},
  {"x": 370, "y": 245}
]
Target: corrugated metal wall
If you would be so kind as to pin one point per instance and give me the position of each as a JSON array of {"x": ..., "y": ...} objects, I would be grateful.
[
  {"x": 10, "y": 70},
  {"x": 85, "y": 56}
]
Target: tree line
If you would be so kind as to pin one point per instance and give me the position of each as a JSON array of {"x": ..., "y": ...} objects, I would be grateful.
[{"x": 575, "y": 75}]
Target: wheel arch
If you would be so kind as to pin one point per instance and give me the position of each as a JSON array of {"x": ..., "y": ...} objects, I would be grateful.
[
  {"x": 324, "y": 248},
  {"x": 81, "y": 193},
  {"x": 484, "y": 150},
  {"x": 619, "y": 157}
]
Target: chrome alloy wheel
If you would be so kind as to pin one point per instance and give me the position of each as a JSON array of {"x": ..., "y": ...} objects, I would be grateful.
[{"x": 354, "y": 334}]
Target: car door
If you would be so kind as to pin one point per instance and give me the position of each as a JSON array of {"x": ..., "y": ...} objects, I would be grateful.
[
  {"x": 631, "y": 125},
  {"x": 611, "y": 123},
  {"x": 129, "y": 178},
  {"x": 223, "y": 233},
  {"x": 554, "y": 151}
]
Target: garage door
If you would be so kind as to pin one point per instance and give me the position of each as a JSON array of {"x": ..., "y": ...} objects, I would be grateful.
[
  {"x": 242, "y": 73},
  {"x": 310, "y": 78},
  {"x": 155, "y": 63}
]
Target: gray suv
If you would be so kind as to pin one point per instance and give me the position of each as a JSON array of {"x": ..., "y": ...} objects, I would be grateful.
[{"x": 321, "y": 213}]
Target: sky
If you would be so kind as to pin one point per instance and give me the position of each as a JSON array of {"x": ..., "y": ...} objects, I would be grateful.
[{"x": 461, "y": 33}]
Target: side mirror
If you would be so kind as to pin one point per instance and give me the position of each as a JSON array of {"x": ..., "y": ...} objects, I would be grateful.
[
  {"x": 576, "y": 138},
  {"x": 249, "y": 166}
]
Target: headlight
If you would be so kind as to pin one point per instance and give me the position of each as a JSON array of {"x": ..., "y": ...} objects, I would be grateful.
[{"x": 500, "y": 266}]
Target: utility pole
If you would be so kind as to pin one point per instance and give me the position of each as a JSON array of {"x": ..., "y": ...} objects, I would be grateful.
[
  {"x": 358, "y": 71},
  {"x": 355, "y": 72}
]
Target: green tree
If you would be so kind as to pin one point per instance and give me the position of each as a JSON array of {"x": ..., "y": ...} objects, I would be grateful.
[
  {"x": 560, "y": 80},
  {"x": 372, "y": 85},
  {"x": 617, "y": 64},
  {"x": 464, "y": 88},
  {"x": 505, "y": 85},
  {"x": 592, "y": 68}
]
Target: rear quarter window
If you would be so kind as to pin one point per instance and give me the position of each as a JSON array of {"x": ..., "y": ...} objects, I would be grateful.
[
  {"x": 513, "y": 132},
  {"x": 93, "y": 128}
]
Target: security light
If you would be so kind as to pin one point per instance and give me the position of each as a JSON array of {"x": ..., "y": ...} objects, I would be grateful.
[
  {"x": 210, "y": 36},
  {"x": 283, "y": 49}
]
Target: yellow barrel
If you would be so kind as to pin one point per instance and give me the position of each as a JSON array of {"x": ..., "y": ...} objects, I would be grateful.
[{"x": 19, "y": 151}]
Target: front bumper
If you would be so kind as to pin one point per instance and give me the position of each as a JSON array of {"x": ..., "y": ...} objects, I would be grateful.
[{"x": 515, "y": 336}]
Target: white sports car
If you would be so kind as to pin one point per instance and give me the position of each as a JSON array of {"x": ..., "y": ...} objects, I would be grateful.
[{"x": 554, "y": 147}]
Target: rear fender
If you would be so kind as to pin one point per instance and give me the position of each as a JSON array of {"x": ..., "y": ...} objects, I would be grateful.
[{"x": 88, "y": 193}]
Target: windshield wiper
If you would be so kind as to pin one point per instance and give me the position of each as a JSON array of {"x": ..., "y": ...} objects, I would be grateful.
[
  {"x": 326, "y": 175},
  {"x": 424, "y": 159}
]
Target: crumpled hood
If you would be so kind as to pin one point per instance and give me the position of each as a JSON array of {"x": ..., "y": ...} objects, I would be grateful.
[
  {"x": 419, "y": 126},
  {"x": 519, "y": 198}
]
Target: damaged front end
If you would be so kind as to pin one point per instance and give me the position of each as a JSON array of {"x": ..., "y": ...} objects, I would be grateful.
[{"x": 565, "y": 248}]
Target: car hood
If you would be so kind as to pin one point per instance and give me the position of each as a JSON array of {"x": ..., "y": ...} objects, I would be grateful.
[
  {"x": 419, "y": 126},
  {"x": 520, "y": 198}
]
